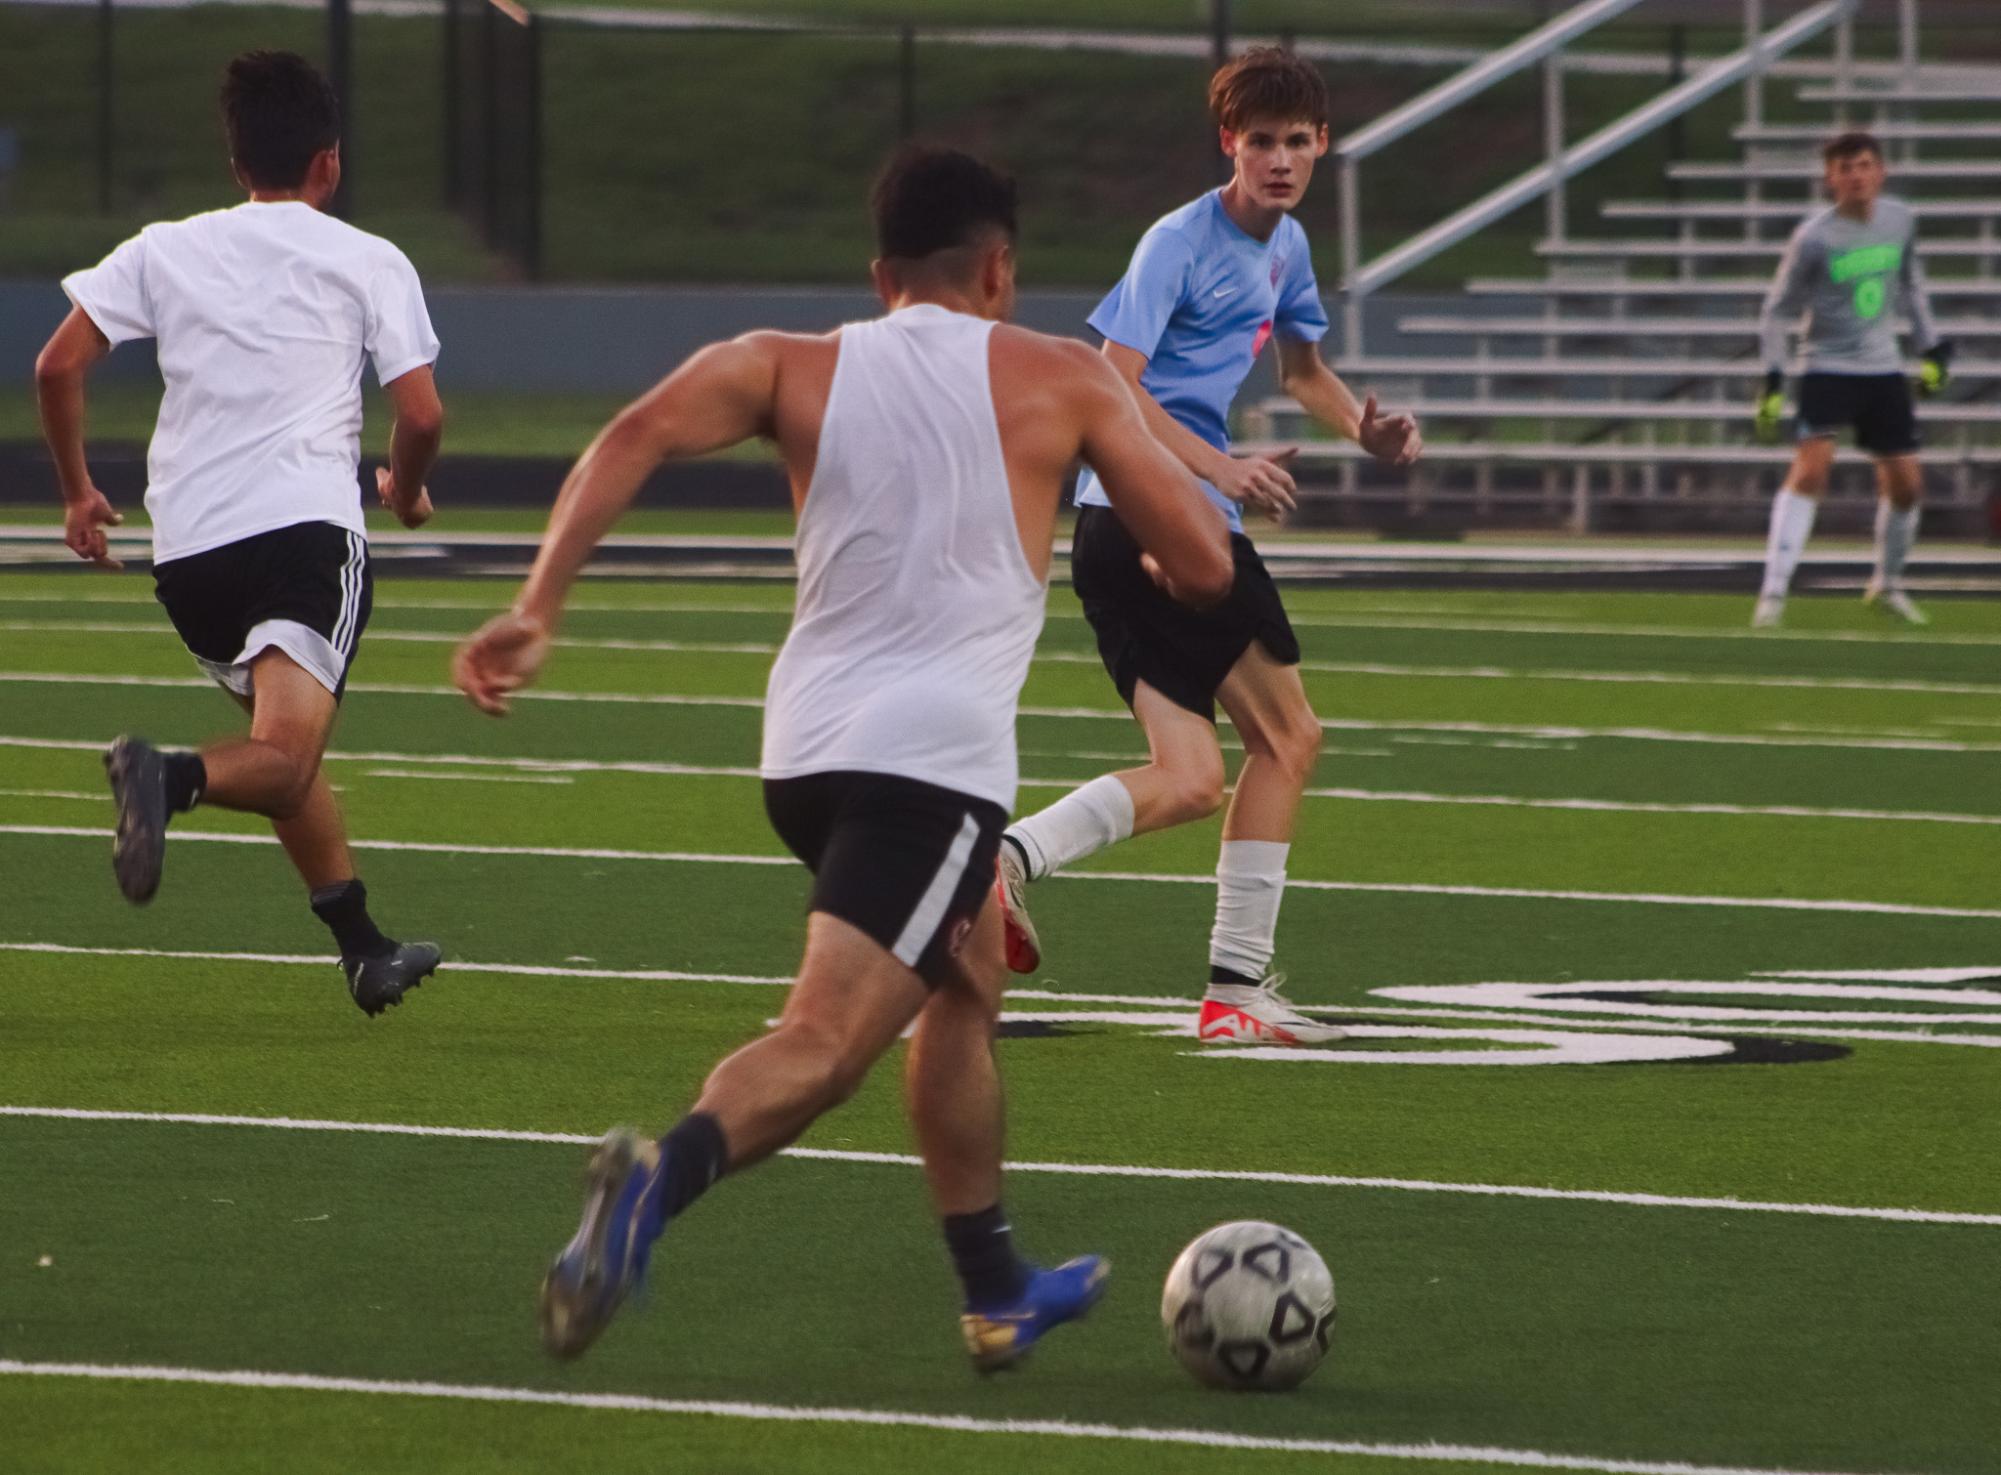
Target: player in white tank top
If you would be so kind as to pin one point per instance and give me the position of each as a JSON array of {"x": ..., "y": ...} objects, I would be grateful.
[
  {"x": 927, "y": 453},
  {"x": 917, "y": 610}
]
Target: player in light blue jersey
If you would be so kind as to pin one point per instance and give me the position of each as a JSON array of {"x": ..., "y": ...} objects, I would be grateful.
[{"x": 1208, "y": 288}]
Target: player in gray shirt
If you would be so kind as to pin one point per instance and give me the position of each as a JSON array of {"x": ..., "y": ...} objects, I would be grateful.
[{"x": 1853, "y": 270}]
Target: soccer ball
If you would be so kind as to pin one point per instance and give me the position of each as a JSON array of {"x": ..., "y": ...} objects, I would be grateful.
[{"x": 1249, "y": 1306}]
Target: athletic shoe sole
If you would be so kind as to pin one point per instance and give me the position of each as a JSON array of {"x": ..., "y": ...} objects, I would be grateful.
[
  {"x": 583, "y": 1290},
  {"x": 139, "y": 788}
]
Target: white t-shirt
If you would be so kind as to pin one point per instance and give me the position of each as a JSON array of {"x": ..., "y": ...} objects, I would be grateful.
[{"x": 264, "y": 314}]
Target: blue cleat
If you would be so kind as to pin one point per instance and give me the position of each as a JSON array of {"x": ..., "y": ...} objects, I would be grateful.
[
  {"x": 606, "y": 1261},
  {"x": 998, "y": 1337}
]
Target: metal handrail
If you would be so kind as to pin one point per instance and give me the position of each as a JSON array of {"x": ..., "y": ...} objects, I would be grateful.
[
  {"x": 1564, "y": 163},
  {"x": 1483, "y": 74}
]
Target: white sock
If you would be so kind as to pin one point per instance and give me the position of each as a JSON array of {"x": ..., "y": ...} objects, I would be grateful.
[
  {"x": 1792, "y": 525},
  {"x": 1896, "y": 530},
  {"x": 1081, "y": 823},
  {"x": 1250, "y": 884}
]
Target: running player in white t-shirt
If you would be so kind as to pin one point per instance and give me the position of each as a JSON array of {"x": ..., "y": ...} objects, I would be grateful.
[
  {"x": 265, "y": 315},
  {"x": 927, "y": 452}
]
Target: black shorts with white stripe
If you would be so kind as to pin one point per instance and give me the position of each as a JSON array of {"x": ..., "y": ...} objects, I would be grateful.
[
  {"x": 306, "y": 590},
  {"x": 909, "y": 863}
]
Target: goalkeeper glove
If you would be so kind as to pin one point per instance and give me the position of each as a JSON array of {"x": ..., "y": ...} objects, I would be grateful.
[
  {"x": 1935, "y": 369},
  {"x": 1771, "y": 406}
]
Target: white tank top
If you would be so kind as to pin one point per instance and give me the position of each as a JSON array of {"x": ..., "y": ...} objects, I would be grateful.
[{"x": 917, "y": 612}]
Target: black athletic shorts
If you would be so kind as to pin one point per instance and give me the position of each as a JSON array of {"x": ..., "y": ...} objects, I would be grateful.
[
  {"x": 1143, "y": 635},
  {"x": 1877, "y": 407},
  {"x": 305, "y": 589},
  {"x": 909, "y": 863}
]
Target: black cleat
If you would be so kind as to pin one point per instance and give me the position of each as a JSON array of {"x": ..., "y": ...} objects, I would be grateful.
[
  {"x": 138, "y": 777},
  {"x": 380, "y": 982}
]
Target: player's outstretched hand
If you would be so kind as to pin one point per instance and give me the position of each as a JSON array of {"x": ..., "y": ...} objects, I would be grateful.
[
  {"x": 1263, "y": 482},
  {"x": 500, "y": 658},
  {"x": 412, "y": 512},
  {"x": 84, "y": 522},
  {"x": 1392, "y": 439}
]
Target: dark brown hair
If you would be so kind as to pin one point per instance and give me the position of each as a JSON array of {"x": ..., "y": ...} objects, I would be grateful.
[
  {"x": 1266, "y": 82},
  {"x": 278, "y": 112},
  {"x": 1848, "y": 145},
  {"x": 928, "y": 200}
]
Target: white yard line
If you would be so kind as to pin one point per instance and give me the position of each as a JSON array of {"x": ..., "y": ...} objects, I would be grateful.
[
  {"x": 1350, "y": 795},
  {"x": 1370, "y": 1008},
  {"x": 875, "y": 1418},
  {"x": 472, "y": 778},
  {"x": 1085, "y": 1170},
  {"x": 316, "y": 960},
  {"x": 1090, "y": 658},
  {"x": 1539, "y": 733},
  {"x": 1386, "y": 888},
  {"x": 1426, "y": 618}
]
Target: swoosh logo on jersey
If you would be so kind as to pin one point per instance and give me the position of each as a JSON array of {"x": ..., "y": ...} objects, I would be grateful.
[{"x": 1225, "y": 291}]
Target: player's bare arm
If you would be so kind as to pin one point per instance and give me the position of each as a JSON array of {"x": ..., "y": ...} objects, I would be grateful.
[
  {"x": 413, "y": 447},
  {"x": 1149, "y": 488},
  {"x": 70, "y": 354},
  {"x": 1262, "y": 482},
  {"x": 721, "y": 397},
  {"x": 1392, "y": 439}
]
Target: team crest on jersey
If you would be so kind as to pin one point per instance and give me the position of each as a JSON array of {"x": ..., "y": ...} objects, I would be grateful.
[{"x": 1277, "y": 270}]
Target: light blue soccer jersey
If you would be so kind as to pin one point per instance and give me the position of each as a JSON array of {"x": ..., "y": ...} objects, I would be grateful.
[{"x": 1200, "y": 300}]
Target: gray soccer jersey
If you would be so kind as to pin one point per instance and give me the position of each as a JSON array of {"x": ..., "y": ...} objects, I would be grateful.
[{"x": 1852, "y": 278}]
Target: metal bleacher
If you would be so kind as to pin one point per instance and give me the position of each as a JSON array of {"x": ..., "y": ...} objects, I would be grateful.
[{"x": 1615, "y": 390}]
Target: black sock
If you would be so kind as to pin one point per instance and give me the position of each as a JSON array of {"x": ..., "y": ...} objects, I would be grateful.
[
  {"x": 344, "y": 908},
  {"x": 692, "y": 1156},
  {"x": 982, "y": 1247},
  {"x": 1219, "y": 974},
  {"x": 187, "y": 778}
]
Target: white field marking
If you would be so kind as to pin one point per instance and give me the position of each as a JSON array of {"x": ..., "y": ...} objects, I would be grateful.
[
  {"x": 315, "y": 960},
  {"x": 1892, "y": 975},
  {"x": 784, "y": 1413},
  {"x": 99, "y": 797},
  {"x": 1370, "y": 1009},
  {"x": 1376, "y": 796},
  {"x": 1446, "y": 619},
  {"x": 1107, "y": 714},
  {"x": 1525, "y": 1046},
  {"x": 1091, "y": 658},
  {"x": 1085, "y": 1170},
  {"x": 1976, "y": 1006},
  {"x": 1387, "y": 888},
  {"x": 1620, "y": 806},
  {"x": 1385, "y": 796},
  {"x": 472, "y": 778}
]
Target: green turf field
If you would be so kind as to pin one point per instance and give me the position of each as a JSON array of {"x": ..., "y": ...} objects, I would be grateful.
[{"x": 1664, "y": 1140}]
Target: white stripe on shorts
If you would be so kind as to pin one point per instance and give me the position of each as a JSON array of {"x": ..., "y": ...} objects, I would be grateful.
[
  {"x": 350, "y": 596},
  {"x": 937, "y": 896}
]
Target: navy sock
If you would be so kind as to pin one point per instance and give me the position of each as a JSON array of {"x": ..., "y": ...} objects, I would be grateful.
[
  {"x": 692, "y": 1156},
  {"x": 344, "y": 908},
  {"x": 187, "y": 779},
  {"x": 1220, "y": 974},
  {"x": 982, "y": 1247}
]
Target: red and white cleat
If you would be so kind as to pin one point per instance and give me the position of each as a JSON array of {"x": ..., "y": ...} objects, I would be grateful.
[
  {"x": 1258, "y": 1014},
  {"x": 1024, "y": 948}
]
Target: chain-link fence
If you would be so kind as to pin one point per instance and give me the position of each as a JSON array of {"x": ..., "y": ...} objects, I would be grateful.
[{"x": 589, "y": 146}]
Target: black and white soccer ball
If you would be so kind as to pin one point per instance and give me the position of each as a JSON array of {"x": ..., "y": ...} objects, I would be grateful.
[{"x": 1249, "y": 1306}]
